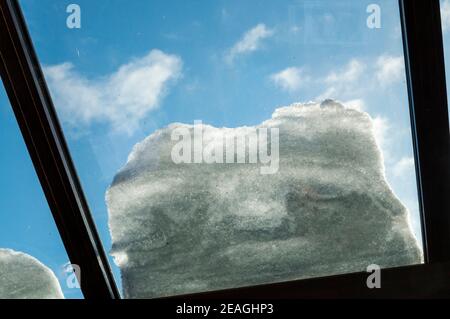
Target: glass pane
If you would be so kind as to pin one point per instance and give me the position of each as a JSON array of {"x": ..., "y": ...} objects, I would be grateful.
[
  {"x": 205, "y": 162},
  {"x": 33, "y": 261}
]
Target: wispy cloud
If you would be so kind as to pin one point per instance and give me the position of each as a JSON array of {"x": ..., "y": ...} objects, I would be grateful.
[
  {"x": 120, "y": 99},
  {"x": 350, "y": 73},
  {"x": 445, "y": 15},
  {"x": 390, "y": 69},
  {"x": 404, "y": 166},
  {"x": 341, "y": 83},
  {"x": 250, "y": 42},
  {"x": 358, "y": 77},
  {"x": 381, "y": 128},
  {"x": 289, "y": 79},
  {"x": 356, "y": 104}
]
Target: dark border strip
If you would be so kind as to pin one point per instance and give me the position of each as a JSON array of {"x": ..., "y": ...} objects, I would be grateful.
[
  {"x": 418, "y": 281},
  {"x": 425, "y": 69},
  {"x": 36, "y": 116}
]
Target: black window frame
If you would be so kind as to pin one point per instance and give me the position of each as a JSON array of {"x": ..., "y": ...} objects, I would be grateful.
[{"x": 424, "y": 60}]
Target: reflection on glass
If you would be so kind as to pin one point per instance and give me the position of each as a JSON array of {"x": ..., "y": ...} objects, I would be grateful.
[{"x": 194, "y": 118}]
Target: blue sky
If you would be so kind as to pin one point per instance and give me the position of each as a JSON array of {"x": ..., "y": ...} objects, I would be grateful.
[
  {"x": 26, "y": 223},
  {"x": 227, "y": 63}
]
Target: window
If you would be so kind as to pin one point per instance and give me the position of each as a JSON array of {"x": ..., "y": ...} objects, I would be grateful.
[
  {"x": 33, "y": 261},
  {"x": 203, "y": 163},
  {"x": 331, "y": 204}
]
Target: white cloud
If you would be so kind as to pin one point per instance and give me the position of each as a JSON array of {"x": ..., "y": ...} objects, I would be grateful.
[
  {"x": 356, "y": 104},
  {"x": 120, "y": 99},
  {"x": 380, "y": 130},
  {"x": 344, "y": 82},
  {"x": 339, "y": 84},
  {"x": 390, "y": 69},
  {"x": 354, "y": 79},
  {"x": 289, "y": 79},
  {"x": 350, "y": 73},
  {"x": 445, "y": 15},
  {"x": 250, "y": 41},
  {"x": 402, "y": 167}
]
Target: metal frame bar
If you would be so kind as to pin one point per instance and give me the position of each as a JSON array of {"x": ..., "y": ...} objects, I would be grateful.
[
  {"x": 425, "y": 69},
  {"x": 424, "y": 59}
]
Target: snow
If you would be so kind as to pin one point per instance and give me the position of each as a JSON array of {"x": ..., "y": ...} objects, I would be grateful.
[
  {"x": 24, "y": 277},
  {"x": 183, "y": 228}
]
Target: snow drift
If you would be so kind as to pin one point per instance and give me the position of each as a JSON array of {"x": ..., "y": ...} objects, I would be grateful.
[
  {"x": 24, "y": 277},
  {"x": 182, "y": 228}
]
